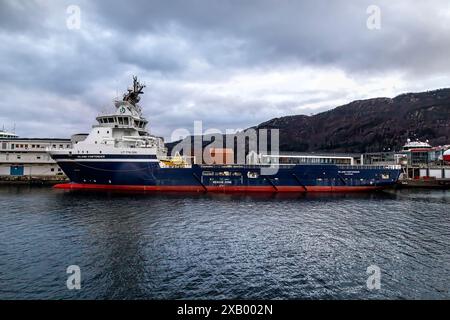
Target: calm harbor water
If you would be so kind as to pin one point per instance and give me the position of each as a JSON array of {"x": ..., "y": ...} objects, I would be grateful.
[{"x": 199, "y": 246}]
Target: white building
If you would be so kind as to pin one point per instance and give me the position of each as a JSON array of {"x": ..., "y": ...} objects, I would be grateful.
[{"x": 28, "y": 156}]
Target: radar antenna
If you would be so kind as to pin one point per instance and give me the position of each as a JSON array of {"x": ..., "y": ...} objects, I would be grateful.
[{"x": 132, "y": 96}]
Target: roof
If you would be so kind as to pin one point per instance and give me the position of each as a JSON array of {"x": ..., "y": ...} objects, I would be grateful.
[{"x": 37, "y": 139}]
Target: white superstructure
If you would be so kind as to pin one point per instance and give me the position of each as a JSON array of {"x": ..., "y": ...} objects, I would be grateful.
[
  {"x": 122, "y": 132},
  {"x": 7, "y": 135},
  {"x": 416, "y": 145}
]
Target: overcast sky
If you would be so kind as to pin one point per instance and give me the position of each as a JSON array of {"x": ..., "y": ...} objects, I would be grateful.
[{"x": 231, "y": 64}]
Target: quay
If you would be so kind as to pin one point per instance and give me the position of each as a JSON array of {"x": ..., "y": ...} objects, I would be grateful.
[{"x": 33, "y": 180}]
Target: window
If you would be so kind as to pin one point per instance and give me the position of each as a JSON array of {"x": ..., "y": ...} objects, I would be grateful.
[
  {"x": 19, "y": 157},
  {"x": 252, "y": 175},
  {"x": 38, "y": 157},
  {"x": 52, "y": 169}
]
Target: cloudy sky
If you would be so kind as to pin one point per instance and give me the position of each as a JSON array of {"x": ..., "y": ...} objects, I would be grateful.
[{"x": 231, "y": 64}]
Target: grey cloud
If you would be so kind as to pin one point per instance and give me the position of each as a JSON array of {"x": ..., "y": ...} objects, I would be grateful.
[
  {"x": 327, "y": 32},
  {"x": 50, "y": 73}
]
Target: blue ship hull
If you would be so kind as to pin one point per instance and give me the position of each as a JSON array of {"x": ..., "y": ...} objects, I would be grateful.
[{"x": 99, "y": 172}]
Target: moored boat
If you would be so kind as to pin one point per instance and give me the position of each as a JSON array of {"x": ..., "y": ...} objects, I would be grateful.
[{"x": 120, "y": 154}]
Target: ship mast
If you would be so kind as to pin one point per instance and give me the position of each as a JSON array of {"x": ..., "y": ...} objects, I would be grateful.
[{"x": 133, "y": 93}]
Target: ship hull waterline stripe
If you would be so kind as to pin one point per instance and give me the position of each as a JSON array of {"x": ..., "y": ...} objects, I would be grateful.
[
  {"x": 200, "y": 188},
  {"x": 108, "y": 160}
]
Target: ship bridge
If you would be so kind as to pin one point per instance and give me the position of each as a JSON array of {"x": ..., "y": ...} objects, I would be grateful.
[
  {"x": 125, "y": 117},
  {"x": 128, "y": 113}
]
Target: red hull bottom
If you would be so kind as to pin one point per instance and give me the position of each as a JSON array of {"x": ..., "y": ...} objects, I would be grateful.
[{"x": 81, "y": 186}]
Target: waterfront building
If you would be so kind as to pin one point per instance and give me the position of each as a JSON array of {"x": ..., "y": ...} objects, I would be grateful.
[{"x": 28, "y": 157}]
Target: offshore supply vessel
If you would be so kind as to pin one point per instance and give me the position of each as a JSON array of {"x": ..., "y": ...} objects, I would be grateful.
[{"x": 120, "y": 154}]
